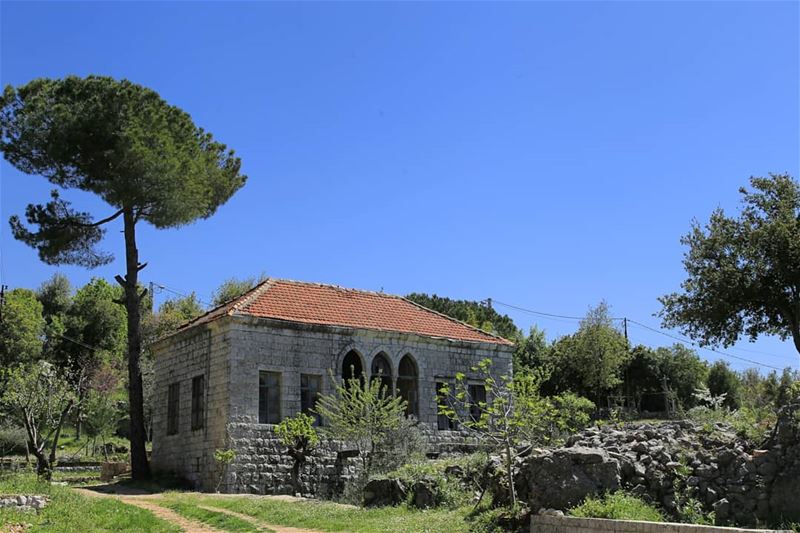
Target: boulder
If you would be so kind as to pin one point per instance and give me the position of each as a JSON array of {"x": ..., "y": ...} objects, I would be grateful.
[
  {"x": 562, "y": 478},
  {"x": 425, "y": 495},
  {"x": 381, "y": 492}
]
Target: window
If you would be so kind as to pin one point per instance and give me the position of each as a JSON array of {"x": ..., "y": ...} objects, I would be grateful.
[
  {"x": 477, "y": 396},
  {"x": 407, "y": 384},
  {"x": 382, "y": 370},
  {"x": 269, "y": 398},
  {"x": 198, "y": 403},
  {"x": 173, "y": 399},
  {"x": 310, "y": 387},
  {"x": 444, "y": 422}
]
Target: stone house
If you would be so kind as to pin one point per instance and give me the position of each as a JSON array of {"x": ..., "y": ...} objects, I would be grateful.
[{"x": 224, "y": 379}]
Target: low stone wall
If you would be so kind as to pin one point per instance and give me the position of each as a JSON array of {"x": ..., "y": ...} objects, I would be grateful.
[
  {"x": 261, "y": 465},
  {"x": 21, "y": 502},
  {"x": 568, "y": 524}
]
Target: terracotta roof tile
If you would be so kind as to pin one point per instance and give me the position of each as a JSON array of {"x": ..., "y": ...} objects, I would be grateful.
[{"x": 315, "y": 303}]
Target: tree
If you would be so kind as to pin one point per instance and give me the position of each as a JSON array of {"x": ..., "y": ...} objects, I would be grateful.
[
  {"x": 510, "y": 414},
  {"x": 473, "y": 313},
  {"x": 21, "y": 328},
  {"x": 39, "y": 398},
  {"x": 93, "y": 333},
  {"x": 722, "y": 381},
  {"x": 146, "y": 159},
  {"x": 591, "y": 361},
  {"x": 300, "y": 438},
  {"x": 743, "y": 274},
  {"x": 358, "y": 411},
  {"x": 532, "y": 351},
  {"x": 233, "y": 288}
]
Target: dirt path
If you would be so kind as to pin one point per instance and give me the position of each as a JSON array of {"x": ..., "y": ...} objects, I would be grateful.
[
  {"x": 149, "y": 502},
  {"x": 258, "y": 523},
  {"x": 144, "y": 501}
]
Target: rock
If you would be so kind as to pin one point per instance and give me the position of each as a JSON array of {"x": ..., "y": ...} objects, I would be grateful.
[
  {"x": 550, "y": 512},
  {"x": 454, "y": 471},
  {"x": 381, "y": 492},
  {"x": 564, "y": 477},
  {"x": 425, "y": 495},
  {"x": 722, "y": 509}
]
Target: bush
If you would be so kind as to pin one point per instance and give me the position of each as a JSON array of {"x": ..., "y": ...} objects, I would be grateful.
[
  {"x": 12, "y": 441},
  {"x": 454, "y": 491},
  {"x": 404, "y": 444},
  {"x": 617, "y": 506}
]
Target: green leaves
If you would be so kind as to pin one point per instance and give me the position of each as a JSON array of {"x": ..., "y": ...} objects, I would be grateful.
[
  {"x": 360, "y": 412},
  {"x": 298, "y": 432},
  {"x": 120, "y": 141},
  {"x": 743, "y": 274},
  {"x": 21, "y": 328}
]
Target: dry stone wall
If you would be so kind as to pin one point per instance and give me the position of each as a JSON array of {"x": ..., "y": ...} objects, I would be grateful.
[
  {"x": 559, "y": 524},
  {"x": 671, "y": 462}
]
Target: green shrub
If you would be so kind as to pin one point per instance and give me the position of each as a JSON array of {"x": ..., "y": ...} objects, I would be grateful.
[
  {"x": 12, "y": 440},
  {"x": 617, "y": 506},
  {"x": 454, "y": 491}
]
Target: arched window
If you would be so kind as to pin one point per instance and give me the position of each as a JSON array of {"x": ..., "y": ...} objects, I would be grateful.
[
  {"x": 351, "y": 367},
  {"x": 407, "y": 384},
  {"x": 382, "y": 370}
]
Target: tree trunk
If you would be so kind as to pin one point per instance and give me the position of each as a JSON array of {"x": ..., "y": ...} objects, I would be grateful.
[{"x": 140, "y": 469}]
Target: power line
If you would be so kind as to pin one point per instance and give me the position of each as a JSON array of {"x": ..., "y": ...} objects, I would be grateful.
[
  {"x": 539, "y": 313},
  {"x": 625, "y": 320},
  {"x": 692, "y": 343},
  {"x": 181, "y": 294}
]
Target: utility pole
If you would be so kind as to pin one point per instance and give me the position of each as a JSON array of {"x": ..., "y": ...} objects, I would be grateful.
[
  {"x": 152, "y": 296},
  {"x": 625, "y": 327},
  {"x": 488, "y": 303}
]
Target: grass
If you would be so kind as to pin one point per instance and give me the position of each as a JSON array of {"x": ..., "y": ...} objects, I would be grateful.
[
  {"x": 69, "y": 512},
  {"x": 326, "y": 516},
  {"x": 214, "y": 519},
  {"x": 617, "y": 506}
]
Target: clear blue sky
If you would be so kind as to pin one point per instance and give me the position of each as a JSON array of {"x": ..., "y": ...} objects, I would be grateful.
[{"x": 547, "y": 155}]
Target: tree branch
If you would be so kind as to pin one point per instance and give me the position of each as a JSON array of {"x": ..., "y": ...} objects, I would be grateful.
[{"x": 101, "y": 222}]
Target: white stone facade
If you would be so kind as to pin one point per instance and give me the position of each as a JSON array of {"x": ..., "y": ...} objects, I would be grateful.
[{"x": 230, "y": 351}]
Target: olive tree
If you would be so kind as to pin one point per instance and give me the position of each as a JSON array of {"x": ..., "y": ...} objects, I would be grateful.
[
  {"x": 145, "y": 158},
  {"x": 743, "y": 273},
  {"x": 39, "y": 398}
]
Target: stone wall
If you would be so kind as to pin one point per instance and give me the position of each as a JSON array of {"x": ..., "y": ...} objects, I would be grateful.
[
  {"x": 566, "y": 524},
  {"x": 189, "y": 454},
  {"x": 668, "y": 463},
  {"x": 262, "y": 466}
]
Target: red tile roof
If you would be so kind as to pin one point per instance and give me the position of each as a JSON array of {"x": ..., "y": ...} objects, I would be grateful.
[{"x": 314, "y": 303}]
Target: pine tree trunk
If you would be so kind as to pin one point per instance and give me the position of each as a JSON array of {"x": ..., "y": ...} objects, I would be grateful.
[{"x": 140, "y": 469}]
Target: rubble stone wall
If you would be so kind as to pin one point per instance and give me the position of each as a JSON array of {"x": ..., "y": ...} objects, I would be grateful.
[{"x": 567, "y": 524}]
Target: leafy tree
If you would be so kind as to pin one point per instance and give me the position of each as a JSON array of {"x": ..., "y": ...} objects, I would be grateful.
[
  {"x": 591, "y": 361},
  {"x": 21, "y": 328},
  {"x": 532, "y": 352},
  {"x": 787, "y": 389},
  {"x": 38, "y": 397},
  {"x": 300, "y": 438},
  {"x": 102, "y": 405},
  {"x": 223, "y": 458},
  {"x": 743, "y": 273},
  {"x": 473, "y": 313},
  {"x": 722, "y": 381},
  {"x": 94, "y": 334},
  {"x": 511, "y": 415},
  {"x": 675, "y": 372},
  {"x": 233, "y": 288},
  {"x": 359, "y": 412},
  {"x": 55, "y": 296},
  {"x": 146, "y": 159}
]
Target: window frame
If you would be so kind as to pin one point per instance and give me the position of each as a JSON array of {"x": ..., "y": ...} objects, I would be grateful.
[
  {"x": 173, "y": 408},
  {"x": 305, "y": 390},
  {"x": 198, "y": 402},
  {"x": 265, "y": 397}
]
